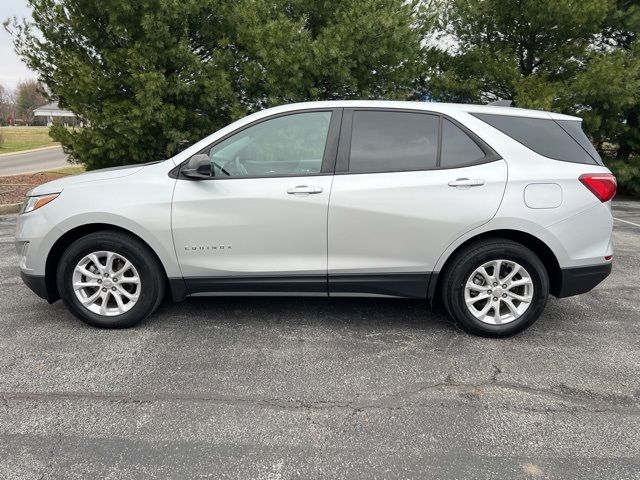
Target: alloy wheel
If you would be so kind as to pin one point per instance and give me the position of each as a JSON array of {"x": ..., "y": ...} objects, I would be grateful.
[
  {"x": 498, "y": 292},
  {"x": 106, "y": 283}
]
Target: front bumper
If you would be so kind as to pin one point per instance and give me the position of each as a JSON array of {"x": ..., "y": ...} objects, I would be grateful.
[
  {"x": 577, "y": 280},
  {"x": 37, "y": 284}
]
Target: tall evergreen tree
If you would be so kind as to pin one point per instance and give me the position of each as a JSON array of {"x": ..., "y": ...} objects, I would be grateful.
[
  {"x": 522, "y": 50},
  {"x": 574, "y": 56},
  {"x": 608, "y": 93},
  {"x": 151, "y": 76},
  {"x": 617, "y": 118}
]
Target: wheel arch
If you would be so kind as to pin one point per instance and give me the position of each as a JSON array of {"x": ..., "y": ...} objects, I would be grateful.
[
  {"x": 70, "y": 236},
  {"x": 533, "y": 243}
]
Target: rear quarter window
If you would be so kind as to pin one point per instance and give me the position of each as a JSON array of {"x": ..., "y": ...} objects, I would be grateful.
[
  {"x": 457, "y": 147},
  {"x": 563, "y": 140}
]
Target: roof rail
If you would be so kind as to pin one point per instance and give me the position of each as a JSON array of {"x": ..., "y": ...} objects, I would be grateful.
[{"x": 501, "y": 103}]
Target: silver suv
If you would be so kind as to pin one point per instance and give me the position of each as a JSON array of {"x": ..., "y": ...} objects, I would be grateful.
[{"x": 490, "y": 209}]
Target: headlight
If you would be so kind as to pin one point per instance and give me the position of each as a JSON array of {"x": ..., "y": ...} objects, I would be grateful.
[{"x": 34, "y": 203}]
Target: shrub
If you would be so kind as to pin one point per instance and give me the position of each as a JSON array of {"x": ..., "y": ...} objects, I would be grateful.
[{"x": 627, "y": 173}]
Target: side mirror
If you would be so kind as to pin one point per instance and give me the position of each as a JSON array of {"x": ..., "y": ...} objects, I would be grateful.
[{"x": 198, "y": 166}]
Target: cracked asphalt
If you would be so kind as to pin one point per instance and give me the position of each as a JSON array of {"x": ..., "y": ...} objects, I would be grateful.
[{"x": 277, "y": 388}]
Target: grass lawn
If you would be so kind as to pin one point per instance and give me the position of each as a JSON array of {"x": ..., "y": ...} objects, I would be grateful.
[
  {"x": 17, "y": 139},
  {"x": 70, "y": 170}
]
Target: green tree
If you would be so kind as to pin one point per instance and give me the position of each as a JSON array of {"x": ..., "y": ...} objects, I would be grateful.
[
  {"x": 299, "y": 50},
  {"x": 574, "y": 56},
  {"x": 29, "y": 96},
  {"x": 151, "y": 76},
  {"x": 606, "y": 94},
  {"x": 616, "y": 118},
  {"x": 608, "y": 91},
  {"x": 521, "y": 50}
]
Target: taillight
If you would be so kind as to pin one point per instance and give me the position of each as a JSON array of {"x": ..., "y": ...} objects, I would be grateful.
[{"x": 602, "y": 185}]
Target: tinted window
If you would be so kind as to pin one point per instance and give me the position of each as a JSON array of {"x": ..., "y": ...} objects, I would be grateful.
[
  {"x": 543, "y": 136},
  {"x": 393, "y": 141},
  {"x": 288, "y": 145},
  {"x": 574, "y": 128},
  {"x": 457, "y": 147}
]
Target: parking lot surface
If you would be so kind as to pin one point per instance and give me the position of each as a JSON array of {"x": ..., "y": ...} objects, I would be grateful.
[{"x": 278, "y": 388}]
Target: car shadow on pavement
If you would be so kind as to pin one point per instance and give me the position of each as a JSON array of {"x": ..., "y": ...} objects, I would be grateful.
[{"x": 369, "y": 313}]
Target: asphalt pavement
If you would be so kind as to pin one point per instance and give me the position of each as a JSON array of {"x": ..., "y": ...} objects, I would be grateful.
[
  {"x": 279, "y": 388},
  {"x": 33, "y": 161}
]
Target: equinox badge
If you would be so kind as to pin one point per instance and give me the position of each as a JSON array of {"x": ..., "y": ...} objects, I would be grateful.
[{"x": 204, "y": 248}]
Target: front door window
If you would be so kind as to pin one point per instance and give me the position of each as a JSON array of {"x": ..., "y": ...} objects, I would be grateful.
[{"x": 291, "y": 145}]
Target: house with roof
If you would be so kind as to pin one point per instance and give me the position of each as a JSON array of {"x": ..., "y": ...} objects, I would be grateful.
[{"x": 52, "y": 113}]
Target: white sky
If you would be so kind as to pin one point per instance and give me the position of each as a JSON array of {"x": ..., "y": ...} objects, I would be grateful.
[{"x": 11, "y": 67}]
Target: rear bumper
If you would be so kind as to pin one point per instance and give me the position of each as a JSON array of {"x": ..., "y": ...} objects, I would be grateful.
[{"x": 577, "y": 280}]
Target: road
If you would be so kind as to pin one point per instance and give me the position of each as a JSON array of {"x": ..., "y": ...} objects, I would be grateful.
[
  {"x": 277, "y": 388},
  {"x": 30, "y": 162}
]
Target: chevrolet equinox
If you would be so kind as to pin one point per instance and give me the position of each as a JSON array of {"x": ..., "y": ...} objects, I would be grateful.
[{"x": 490, "y": 209}]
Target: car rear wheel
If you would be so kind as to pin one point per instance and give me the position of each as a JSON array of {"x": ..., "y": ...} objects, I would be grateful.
[
  {"x": 110, "y": 279},
  {"x": 495, "y": 288}
]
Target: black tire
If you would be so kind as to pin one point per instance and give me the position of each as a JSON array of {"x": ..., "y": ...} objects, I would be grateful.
[
  {"x": 152, "y": 277},
  {"x": 477, "y": 254}
]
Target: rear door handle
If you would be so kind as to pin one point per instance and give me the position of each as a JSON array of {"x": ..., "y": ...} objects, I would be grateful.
[
  {"x": 304, "y": 189},
  {"x": 466, "y": 182}
]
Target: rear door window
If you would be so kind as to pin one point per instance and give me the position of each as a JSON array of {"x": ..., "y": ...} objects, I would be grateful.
[
  {"x": 546, "y": 137},
  {"x": 386, "y": 141}
]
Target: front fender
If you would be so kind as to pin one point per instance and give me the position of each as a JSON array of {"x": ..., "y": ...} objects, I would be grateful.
[
  {"x": 139, "y": 203},
  {"x": 158, "y": 238}
]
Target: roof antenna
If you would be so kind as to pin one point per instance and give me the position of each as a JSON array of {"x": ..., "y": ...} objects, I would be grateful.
[{"x": 501, "y": 103}]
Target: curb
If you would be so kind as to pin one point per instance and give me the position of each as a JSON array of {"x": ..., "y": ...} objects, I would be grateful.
[
  {"x": 20, "y": 152},
  {"x": 10, "y": 208}
]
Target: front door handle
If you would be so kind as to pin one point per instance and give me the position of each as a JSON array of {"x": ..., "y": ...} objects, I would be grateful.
[
  {"x": 466, "y": 182},
  {"x": 304, "y": 189}
]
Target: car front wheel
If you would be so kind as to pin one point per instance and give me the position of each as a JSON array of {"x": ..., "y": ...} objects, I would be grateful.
[{"x": 110, "y": 279}]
